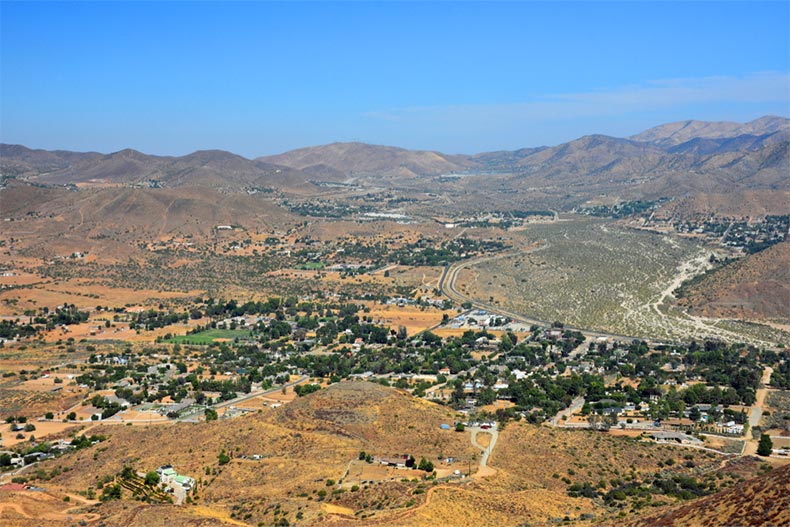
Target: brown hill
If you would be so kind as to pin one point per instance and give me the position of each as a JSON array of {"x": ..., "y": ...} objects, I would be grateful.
[
  {"x": 369, "y": 160},
  {"x": 680, "y": 132},
  {"x": 761, "y": 501},
  {"x": 675, "y": 160},
  {"x": 684, "y": 174},
  {"x": 216, "y": 169},
  {"x": 746, "y": 142},
  {"x": 307, "y": 447},
  {"x": 743, "y": 204},
  {"x": 594, "y": 157},
  {"x": 386, "y": 420},
  {"x": 105, "y": 220},
  {"x": 18, "y": 160},
  {"x": 756, "y": 287},
  {"x": 302, "y": 446}
]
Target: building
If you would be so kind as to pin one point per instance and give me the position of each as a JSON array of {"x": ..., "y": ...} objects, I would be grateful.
[
  {"x": 169, "y": 477},
  {"x": 399, "y": 462},
  {"x": 675, "y": 437}
]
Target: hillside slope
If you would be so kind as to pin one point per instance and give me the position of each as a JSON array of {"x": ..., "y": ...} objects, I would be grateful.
[
  {"x": 671, "y": 134},
  {"x": 364, "y": 159},
  {"x": 736, "y": 204},
  {"x": 107, "y": 220},
  {"x": 763, "y": 501},
  {"x": 755, "y": 287}
]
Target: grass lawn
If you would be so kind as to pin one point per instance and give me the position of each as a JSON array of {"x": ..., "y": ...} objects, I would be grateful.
[
  {"x": 311, "y": 266},
  {"x": 209, "y": 336}
]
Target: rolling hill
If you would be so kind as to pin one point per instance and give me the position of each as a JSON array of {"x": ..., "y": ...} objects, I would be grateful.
[
  {"x": 763, "y": 501},
  {"x": 312, "y": 444},
  {"x": 306, "y": 443},
  {"x": 754, "y": 287},
  {"x": 363, "y": 159},
  {"x": 673, "y": 134},
  {"x": 672, "y": 160},
  {"x": 110, "y": 221},
  {"x": 214, "y": 169}
]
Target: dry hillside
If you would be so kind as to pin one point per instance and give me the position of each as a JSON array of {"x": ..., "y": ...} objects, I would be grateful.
[
  {"x": 683, "y": 131},
  {"x": 364, "y": 159},
  {"x": 763, "y": 501},
  {"x": 758, "y": 203},
  {"x": 754, "y": 287}
]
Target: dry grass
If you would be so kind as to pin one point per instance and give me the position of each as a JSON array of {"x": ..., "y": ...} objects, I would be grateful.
[
  {"x": 412, "y": 318},
  {"x": 45, "y": 509},
  {"x": 761, "y": 501}
]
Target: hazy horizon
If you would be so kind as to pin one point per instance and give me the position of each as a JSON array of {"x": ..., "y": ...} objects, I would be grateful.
[{"x": 251, "y": 157}]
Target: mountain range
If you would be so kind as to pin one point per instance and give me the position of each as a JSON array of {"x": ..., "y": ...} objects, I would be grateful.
[{"x": 674, "y": 159}]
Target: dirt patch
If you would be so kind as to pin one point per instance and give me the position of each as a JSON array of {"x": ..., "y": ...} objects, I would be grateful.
[{"x": 337, "y": 509}]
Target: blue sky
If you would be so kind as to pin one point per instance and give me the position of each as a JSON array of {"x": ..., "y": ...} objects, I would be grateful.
[{"x": 259, "y": 78}]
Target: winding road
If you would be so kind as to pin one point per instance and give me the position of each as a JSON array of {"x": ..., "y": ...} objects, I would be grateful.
[{"x": 484, "y": 469}]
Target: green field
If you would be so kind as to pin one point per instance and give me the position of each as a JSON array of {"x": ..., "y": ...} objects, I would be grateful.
[
  {"x": 311, "y": 266},
  {"x": 210, "y": 336}
]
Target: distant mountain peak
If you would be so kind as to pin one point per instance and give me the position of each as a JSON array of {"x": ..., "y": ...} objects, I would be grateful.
[{"x": 682, "y": 131}]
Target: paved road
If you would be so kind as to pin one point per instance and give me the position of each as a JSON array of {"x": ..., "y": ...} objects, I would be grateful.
[
  {"x": 260, "y": 393},
  {"x": 118, "y": 419},
  {"x": 576, "y": 405},
  {"x": 447, "y": 288},
  {"x": 191, "y": 419}
]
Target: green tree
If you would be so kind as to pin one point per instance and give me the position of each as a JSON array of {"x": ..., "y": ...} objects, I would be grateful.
[
  {"x": 695, "y": 414},
  {"x": 152, "y": 479},
  {"x": 111, "y": 492},
  {"x": 211, "y": 414},
  {"x": 459, "y": 427},
  {"x": 224, "y": 459},
  {"x": 306, "y": 389},
  {"x": 765, "y": 446},
  {"x": 425, "y": 465}
]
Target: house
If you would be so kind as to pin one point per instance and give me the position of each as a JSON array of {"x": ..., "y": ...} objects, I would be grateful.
[
  {"x": 554, "y": 333},
  {"x": 185, "y": 482},
  {"x": 169, "y": 477},
  {"x": 399, "y": 462},
  {"x": 732, "y": 428},
  {"x": 674, "y": 437}
]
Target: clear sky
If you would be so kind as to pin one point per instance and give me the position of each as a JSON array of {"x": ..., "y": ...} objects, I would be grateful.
[{"x": 261, "y": 78}]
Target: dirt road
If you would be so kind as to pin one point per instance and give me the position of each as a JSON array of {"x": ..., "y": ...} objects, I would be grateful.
[{"x": 484, "y": 470}]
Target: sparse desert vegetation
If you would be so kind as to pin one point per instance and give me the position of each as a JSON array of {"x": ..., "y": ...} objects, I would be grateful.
[{"x": 594, "y": 274}]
